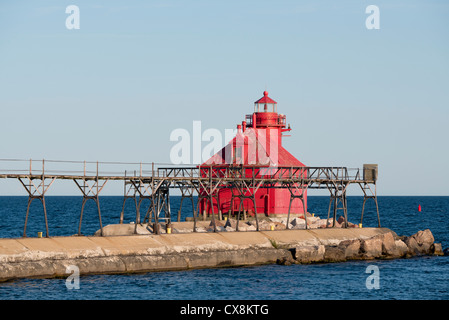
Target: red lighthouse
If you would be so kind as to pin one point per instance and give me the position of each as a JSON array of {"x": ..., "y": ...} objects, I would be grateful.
[{"x": 258, "y": 143}]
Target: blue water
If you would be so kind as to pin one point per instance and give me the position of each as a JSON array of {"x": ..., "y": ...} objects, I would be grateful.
[{"x": 422, "y": 278}]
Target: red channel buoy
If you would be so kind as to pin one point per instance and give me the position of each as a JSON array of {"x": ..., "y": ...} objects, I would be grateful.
[{"x": 419, "y": 208}]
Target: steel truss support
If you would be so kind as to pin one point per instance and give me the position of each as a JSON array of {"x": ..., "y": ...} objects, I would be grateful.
[
  {"x": 207, "y": 189},
  {"x": 36, "y": 191},
  {"x": 129, "y": 193},
  {"x": 148, "y": 218},
  {"x": 201, "y": 198},
  {"x": 187, "y": 191},
  {"x": 246, "y": 190},
  {"x": 242, "y": 197},
  {"x": 297, "y": 191},
  {"x": 162, "y": 198},
  {"x": 145, "y": 191},
  {"x": 368, "y": 193},
  {"x": 209, "y": 204},
  {"x": 157, "y": 191},
  {"x": 208, "y": 198},
  {"x": 90, "y": 192},
  {"x": 337, "y": 197}
]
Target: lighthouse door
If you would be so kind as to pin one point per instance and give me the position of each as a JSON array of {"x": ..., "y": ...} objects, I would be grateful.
[{"x": 267, "y": 203}]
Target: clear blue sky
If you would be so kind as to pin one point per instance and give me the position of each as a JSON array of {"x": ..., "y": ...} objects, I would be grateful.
[{"x": 116, "y": 88}]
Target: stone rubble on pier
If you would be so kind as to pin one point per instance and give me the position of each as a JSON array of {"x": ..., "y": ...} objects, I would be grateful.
[{"x": 276, "y": 223}]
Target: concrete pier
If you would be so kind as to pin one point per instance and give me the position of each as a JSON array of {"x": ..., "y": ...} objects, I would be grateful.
[{"x": 50, "y": 257}]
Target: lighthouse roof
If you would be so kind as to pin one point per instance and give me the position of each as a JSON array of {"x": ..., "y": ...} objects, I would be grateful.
[
  {"x": 258, "y": 154},
  {"x": 265, "y": 99}
]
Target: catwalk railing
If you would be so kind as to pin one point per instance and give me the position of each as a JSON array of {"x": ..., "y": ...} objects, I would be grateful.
[{"x": 143, "y": 180}]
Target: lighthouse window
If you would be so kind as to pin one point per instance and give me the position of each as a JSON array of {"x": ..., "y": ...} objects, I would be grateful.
[
  {"x": 237, "y": 155},
  {"x": 238, "y": 152}
]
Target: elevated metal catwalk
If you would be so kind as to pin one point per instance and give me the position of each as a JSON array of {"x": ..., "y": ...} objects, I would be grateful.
[{"x": 204, "y": 181}]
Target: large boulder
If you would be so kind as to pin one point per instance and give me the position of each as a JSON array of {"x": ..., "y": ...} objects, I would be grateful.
[
  {"x": 420, "y": 243},
  {"x": 277, "y": 225},
  {"x": 351, "y": 248},
  {"x": 371, "y": 248},
  {"x": 218, "y": 223},
  {"x": 438, "y": 249},
  {"x": 263, "y": 225},
  {"x": 401, "y": 248},
  {"x": 297, "y": 223},
  {"x": 341, "y": 221},
  {"x": 248, "y": 228},
  {"x": 334, "y": 254},
  {"x": 330, "y": 223},
  {"x": 412, "y": 246},
  {"x": 389, "y": 246},
  {"x": 286, "y": 259},
  {"x": 309, "y": 254},
  {"x": 217, "y": 229},
  {"x": 392, "y": 247},
  {"x": 124, "y": 230},
  {"x": 320, "y": 223},
  {"x": 380, "y": 246},
  {"x": 230, "y": 223},
  {"x": 219, "y": 226},
  {"x": 425, "y": 241},
  {"x": 243, "y": 226}
]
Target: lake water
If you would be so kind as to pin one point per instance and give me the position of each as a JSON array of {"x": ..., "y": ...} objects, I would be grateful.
[{"x": 419, "y": 278}]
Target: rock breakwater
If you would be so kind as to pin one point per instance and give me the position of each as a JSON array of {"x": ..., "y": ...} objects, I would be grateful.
[
  {"x": 230, "y": 225},
  {"x": 50, "y": 257},
  {"x": 382, "y": 246}
]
